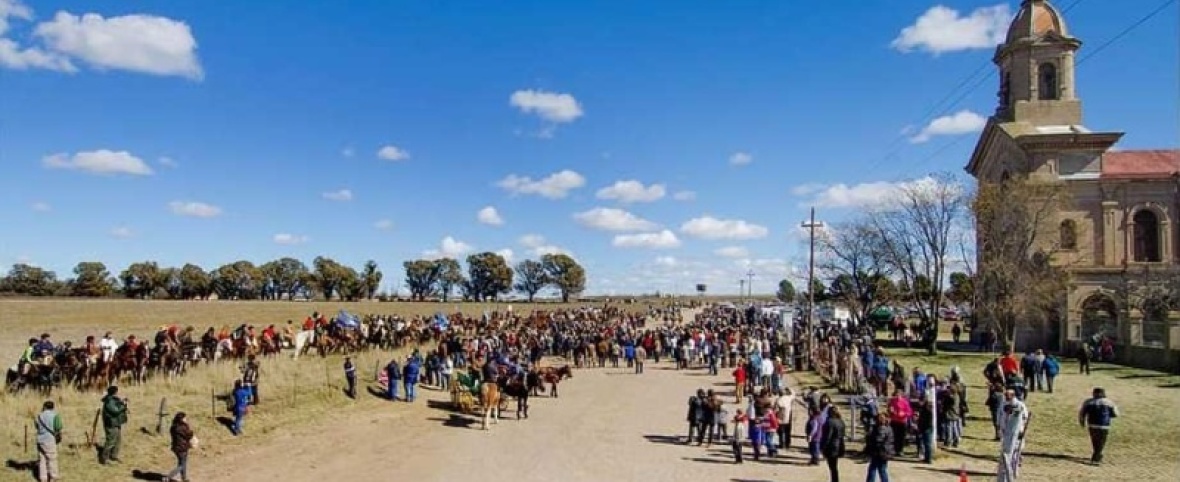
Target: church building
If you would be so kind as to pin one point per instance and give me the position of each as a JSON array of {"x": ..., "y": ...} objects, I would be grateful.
[{"x": 1119, "y": 224}]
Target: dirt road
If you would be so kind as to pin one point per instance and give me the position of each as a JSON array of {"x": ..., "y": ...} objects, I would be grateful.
[{"x": 609, "y": 424}]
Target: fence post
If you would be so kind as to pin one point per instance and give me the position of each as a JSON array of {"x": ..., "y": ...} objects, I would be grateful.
[
  {"x": 212, "y": 402},
  {"x": 26, "y": 439},
  {"x": 853, "y": 418}
]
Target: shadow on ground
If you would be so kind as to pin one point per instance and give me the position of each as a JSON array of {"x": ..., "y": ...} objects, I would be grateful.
[
  {"x": 19, "y": 466},
  {"x": 142, "y": 475}
]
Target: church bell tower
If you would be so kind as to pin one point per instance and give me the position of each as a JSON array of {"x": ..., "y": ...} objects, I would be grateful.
[{"x": 1036, "y": 69}]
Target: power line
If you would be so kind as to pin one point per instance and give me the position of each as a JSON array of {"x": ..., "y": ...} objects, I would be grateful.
[{"x": 1084, "y": 58}]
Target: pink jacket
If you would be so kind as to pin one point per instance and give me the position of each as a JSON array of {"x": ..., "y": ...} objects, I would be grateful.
[{"x": 900, "y": 410}]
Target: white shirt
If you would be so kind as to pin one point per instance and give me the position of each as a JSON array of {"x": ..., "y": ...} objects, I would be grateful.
[
  {"x": 448, "y": 367},
  {"x": 1011, "y": 425},
  {"x": 784, "y": 406},
  {"x": 767, "y": 367},
  {"x": 108, "y": 347}
]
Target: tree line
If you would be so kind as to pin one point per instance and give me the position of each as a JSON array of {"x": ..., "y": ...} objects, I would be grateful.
[
  {"x": 884, "y": 290},
  {"x": 488, "y": 276}
]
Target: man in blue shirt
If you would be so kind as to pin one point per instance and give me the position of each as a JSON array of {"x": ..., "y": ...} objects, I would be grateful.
[
  {"x": 413, "y": 369},
  {"x": 241, "y": 399}
]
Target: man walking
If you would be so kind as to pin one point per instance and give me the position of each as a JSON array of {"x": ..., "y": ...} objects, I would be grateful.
[
  {"x": 49, "y": 428},
  {"x": 1098, "y": 412},
  {"x": 784, "y": 408},
  {"x": 350, "y": 377},
  {"x": 1014, "y": 423},
  {"x": 250, "y": 379},
  {"x": 241, "y": 399},
  {"x": 879, "y": 448},
  {"x": 114, "y": 416}
]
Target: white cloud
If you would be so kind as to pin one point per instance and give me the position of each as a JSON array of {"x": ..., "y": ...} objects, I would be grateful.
[
  {"x": 942, "y": 29},
  {"x": 168, "y": 162},
  {"x": 684, "y": 196},
  {"x": 556, "y": 186},
  {"x": 194, "y": 209},
  {"x": 102, "y": 161},
  {"x": 40, "y": 206},
  {"x": 392, "y": 153},
  {"x": 383, "y": 224},
  {"x": 538, "y": 246},
  {"x": 550, "y": 106},
  {"x": 807, "y": 189},
  {"x": 13, "y": 56},
  {"x": 449, "y": 247},
  {"x": 613, "y": 219},
  {"x": 290, "y": 239},
  {"x": 733, "y": 252},
  {"x": 632, "y": 191},
  {"x": 341, "y": 195},
  {"x": 962, "y": 122},
  {"x": 488, "y": 215},
  {"x": 864, "y": 195},
  {"x": 740, "y": 159},
  {"x": 666, "y": 261},
  {"x": 507, "y": 254},
  {"x": 122, "y": 232},
  {"x": 139, "y": 43},
  {"x": 662, "y": 240},
  {"x": 708, "y": 227}
]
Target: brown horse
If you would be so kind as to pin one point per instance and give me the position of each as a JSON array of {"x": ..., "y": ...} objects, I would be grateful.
[
  {"x": 489, "y": 397},
  {"x": 554, "y": 375},
  {"x": 131, "y": 362}
]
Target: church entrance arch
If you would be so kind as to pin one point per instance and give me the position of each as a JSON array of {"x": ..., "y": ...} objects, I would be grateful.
[{"x": 1100, "y": 317}]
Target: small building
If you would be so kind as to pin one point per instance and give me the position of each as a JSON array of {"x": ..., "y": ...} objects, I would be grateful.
[{"x": 1118, "y": 228}]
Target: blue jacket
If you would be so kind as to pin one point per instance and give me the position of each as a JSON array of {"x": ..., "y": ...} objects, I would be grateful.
[
  {"x": 1052, "y": 366},
  {"x": 629, "y": 351},
  {"x": 411, "y": 372},
  {"x": 241, "y": 397}
]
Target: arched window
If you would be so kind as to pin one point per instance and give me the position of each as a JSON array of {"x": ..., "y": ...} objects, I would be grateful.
[
  {"x": 1146, "y": 237},
  {"x": 1048, "y": 86},
  {"x": 1069, "y": 234},
  {"x": 1099, "y": 317}
]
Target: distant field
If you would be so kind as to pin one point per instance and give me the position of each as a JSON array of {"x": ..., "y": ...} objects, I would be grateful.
[{"x": 74, "y": 319}]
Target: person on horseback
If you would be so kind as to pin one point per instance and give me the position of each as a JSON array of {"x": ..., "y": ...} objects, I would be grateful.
[
  {"x": 108, "y": 345},
  {"x": 209, "y": 342},
  {"x": 27, "y": 357},
  {"x": 45, "y": 349}
]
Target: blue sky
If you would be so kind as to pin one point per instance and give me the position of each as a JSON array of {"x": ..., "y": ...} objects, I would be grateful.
[{"x": 195, "y": 131}]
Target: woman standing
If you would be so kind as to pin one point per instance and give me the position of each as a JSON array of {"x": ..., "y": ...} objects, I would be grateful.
[
  {"x": 833, "y": 442},
  {"x": 182, "y": 441}
]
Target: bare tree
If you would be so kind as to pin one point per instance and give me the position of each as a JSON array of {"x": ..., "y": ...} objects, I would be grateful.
[
  {"x": 916, "y": 232},
  {"x": 1020, "y": 275},
  {"x": 855, "y": 259}
]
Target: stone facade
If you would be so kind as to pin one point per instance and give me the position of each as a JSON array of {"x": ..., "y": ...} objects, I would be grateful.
[{"x": 1119, "y": 228}]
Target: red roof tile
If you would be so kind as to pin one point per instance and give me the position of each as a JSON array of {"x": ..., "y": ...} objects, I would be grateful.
[{"x": 1141, "y": 164}]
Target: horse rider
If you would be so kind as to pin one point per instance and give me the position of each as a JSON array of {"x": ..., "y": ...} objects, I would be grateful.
[
  {"x": 44, "y": 349},
  {"x": 491, "y": 372},
  {"x": 107, "y": 346},
  {"x": 27, "y": 357},
  {"x": 91, "y": 349},
  {"x": 288, "y": 338},
  {"x": 209, "y": 342}
]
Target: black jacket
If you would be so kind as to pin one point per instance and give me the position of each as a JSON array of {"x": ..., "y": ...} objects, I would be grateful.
[
  {"x": 879, "y": 443},
  {"x": 833, "y": 438}
]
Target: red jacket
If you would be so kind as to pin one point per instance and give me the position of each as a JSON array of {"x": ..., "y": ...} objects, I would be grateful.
[{"x": 739, "y": 376}]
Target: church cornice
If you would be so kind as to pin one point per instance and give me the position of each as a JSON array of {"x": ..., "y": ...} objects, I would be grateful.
[
  {"x": 1100, "y": 141},
  {"x": 981, "y": 147}
]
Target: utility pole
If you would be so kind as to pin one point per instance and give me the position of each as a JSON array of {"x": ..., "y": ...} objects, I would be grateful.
[
  {"x": 750, "y": 284},
  {"x": 811, "y": 225}
]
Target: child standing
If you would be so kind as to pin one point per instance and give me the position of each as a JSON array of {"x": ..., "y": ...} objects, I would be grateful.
[
  {"x": 723, "y": 420},
  {"x": 739, "y": 424}
]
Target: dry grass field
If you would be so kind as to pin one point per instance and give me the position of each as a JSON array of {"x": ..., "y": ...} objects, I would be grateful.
[
  {"x": 307, "y": 389},
  {"x": 1142, "y": 446}
]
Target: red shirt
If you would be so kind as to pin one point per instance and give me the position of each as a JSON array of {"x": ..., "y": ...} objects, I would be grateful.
[
  {"x": 739, "y": 376},
  {"x": 1008, "y": 365}
]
